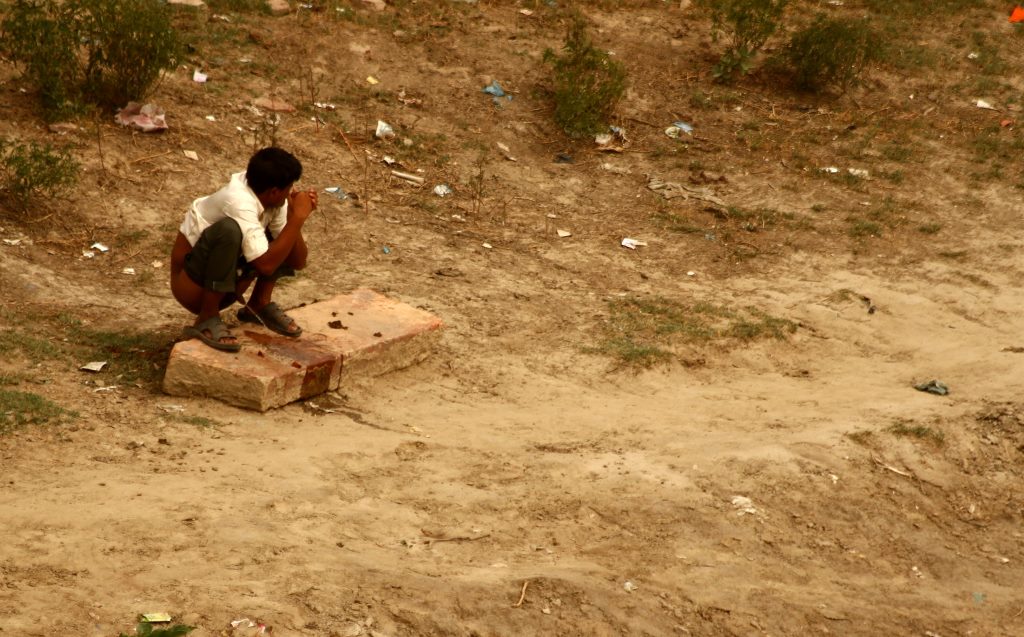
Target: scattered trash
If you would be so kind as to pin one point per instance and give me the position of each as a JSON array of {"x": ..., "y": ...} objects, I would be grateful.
[
  {"x": 985, "y": 105},
  {"x": 526, "y": 12},
  {"x": 173, "y": 409},
  {"x": 336, "y": 191},
  {"x": 371, "y": 80},
  {"x": 99, "y": 246},
  {"x": 972, "y": 56},
  {"x": 386, "y": 250},
  {"x": 564, "y": 233},
  {"x": 743, "y": 505},
  {"x": 406, "y": 176},
  {"x": 191, "y": 154},
  {"x": 936, "y": 387},
  {"x": 157, "y": 264},
  {"x": 389, "y": 160},
  {"x": 612, "y": 168},
  {"x": 632, "y": 243},
  {"x": 629, "y": 586},
  {"x": 563, "y": 158},
  {"x": 12, "y": 242},
  {"x": 408, "y": 101},
  {"x": 199, "y": 76},
  {"x": 678, "y": 128},
  {"x": 496, "y": 92},
  {"x": 88, "y": 254},
  {"x": 384, "y": 130},
  {"x": 148, "y": 118},
  {"x": 326, "y": 106},
  {"x": 506, "y": 151},
  {"x": 830, "y": 169},
  {"x": 442, "y": 190},
  {"x": 129, "y": 271},
  {"x": 691, "y": 273},
  {"x": 859, "y": 172},
  {"x": 1017, "y": 15},
  {"x": 245, "y": 620},
  {"x": 156, "y": 618},
  {"x": 95, "y": 366},
  {"x": 487, "y": 245},
  {"x": 671, "y": 190},
  {"x": 62, "y": 128}
]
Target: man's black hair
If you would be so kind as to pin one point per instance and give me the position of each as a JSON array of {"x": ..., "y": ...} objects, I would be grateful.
[{"x": 272, "y": 167}]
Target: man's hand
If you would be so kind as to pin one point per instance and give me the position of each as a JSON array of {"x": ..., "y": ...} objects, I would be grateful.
[{"x": 301, "y": 204}]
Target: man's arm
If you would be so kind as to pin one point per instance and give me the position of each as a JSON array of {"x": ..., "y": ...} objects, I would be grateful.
[{"x": 300, "y": 206}]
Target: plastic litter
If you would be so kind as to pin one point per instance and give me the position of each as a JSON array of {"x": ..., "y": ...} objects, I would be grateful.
[
  {"x": 94, "y": 367},
  {"x": 830, "y": 169},
  {"x": 406, "y": 176},
  {"x": 384, "y": 130},
  {"x": 327, "y": 106},
  {"x": 972, "y": 56},
  {"x": 88, "y": 254},
  {"x": 191, "y": 154},
  {"x": 632, "y": 244},
  {"x": 1017, "y": 15},
  {"x": 442, "y": 190},
  {"x": 12, "y": 242},
  {"x": 936, "y": 387},
  {"x": 506, "y": 151},
  {"x": 859, "y": 172},
  {"x": 148, "y": 118},
  {"x": 743, "y": 505},
  {"x": 629, "y": 586},
  {"x": 563, "y": 233},
  {"x": 99, "y": 246},
  {"x": 245, "y": 620},
  {"x": 985, "y": 105},
  {"x": 336, "y": 191},
  {"x": 496, "y": 92},
  {"x": 199, "y": 76},
  {"x": 487, "y": 245},
  {"x": 156, "y": 618},
  {"x": 678, "y": 128},
  {"x": 386, "y": 250},
  {"x": 128, "y": 271},
  {"x": 371, "y": 80}
]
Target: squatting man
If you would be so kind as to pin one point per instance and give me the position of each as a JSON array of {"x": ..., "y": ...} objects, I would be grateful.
[{"x": 249, "y": 230}]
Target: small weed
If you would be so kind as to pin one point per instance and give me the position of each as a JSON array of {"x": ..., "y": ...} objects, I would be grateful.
[
  {"x": 929, "y": 228},
  {"x": 748, "y": 25},
  {"x": 893, "y": 176},
  {"x": 860, "y": 228},
  {"x": 32, "y": 169},
  {"x": 19, "y": 408},
  {"x": 32, "y": 347},
  {"x": 898, "y": 151},
  {"x": 904, "y": 429},
  {"x": 588, "y": 83},
  {"x": 831, "y": 53}
]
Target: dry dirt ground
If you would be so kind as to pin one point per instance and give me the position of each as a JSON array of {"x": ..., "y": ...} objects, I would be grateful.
[{"x": 523, "y": 481}]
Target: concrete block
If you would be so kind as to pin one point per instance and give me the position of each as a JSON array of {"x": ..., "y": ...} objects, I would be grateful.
[
  {"x": 373, "y": 334},
  {"x": 347, "y": 338}
]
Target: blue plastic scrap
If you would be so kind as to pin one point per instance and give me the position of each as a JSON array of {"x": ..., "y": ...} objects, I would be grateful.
[
  {"x": 683, "y": 126},
  {"x": 496, "y": 92}
]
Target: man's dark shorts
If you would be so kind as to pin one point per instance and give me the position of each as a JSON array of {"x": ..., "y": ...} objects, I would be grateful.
[{"x": 216, "y": 262}]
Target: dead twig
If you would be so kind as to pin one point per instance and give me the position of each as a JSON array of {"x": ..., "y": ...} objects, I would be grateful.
[
  {"x": 149, "y": 157},
  {"x": 522, "y": 595},
  {"x": 458, "y": 538},
  {"x": 894, "y": 469}
]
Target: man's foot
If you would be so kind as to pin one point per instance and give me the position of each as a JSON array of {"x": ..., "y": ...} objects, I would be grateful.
[
  {"x": 214, "y": 333},
  {"x": 272, "y": 317}
]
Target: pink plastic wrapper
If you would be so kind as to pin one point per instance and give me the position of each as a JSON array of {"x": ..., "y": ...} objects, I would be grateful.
[{"x": 148, "y": 118}]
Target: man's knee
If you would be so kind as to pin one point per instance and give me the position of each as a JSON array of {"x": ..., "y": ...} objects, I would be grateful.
[{"x": 226, "y": 230}]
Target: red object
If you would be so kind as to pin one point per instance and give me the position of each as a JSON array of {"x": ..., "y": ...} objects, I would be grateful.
[{"x": 1017, "y": 15}]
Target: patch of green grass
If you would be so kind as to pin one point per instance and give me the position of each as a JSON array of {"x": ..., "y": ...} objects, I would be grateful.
[
  {"x": 11, "y": 379},
  {"x": 33, "y": 347},
  {"x": 196, "y": 421},
  {"x": 640, "y": 333},
  {"x": 900, "y": 150},
  {"x": 861, "y": 228},
  {"x": 19, "y": 408},
  {"x": 903, "y": 429},
  {"x": 133, "y": 356}
]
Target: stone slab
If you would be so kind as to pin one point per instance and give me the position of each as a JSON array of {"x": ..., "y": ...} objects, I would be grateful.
[
  {"x": 346, "y": 338},
  {"x": 373, "y": 334}
]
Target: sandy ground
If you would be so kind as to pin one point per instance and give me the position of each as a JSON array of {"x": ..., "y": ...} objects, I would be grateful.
[{"x": 516, "y": 483}]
